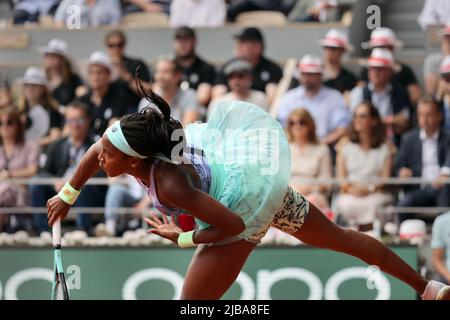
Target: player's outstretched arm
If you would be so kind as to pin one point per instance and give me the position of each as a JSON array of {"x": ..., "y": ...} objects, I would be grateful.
[{"x": 88, "y": 167}]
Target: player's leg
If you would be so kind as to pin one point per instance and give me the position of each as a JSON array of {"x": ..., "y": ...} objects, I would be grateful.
[
  {"x": 213, "y": 270},
  {"x": 319, "y": 231},
  {"x": 314, "y": 228}
]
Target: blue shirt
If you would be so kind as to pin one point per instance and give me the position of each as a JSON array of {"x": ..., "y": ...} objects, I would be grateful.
[
  {"x": 327, "y": 108},
  {"x": 440, "y": 236}
]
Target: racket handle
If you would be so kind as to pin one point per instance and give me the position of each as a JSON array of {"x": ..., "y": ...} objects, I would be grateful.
[{"x": 56, "y": 231}]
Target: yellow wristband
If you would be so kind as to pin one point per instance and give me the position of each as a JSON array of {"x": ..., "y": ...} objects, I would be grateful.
[
  {"x": 186, "y": 239},
  {"x": 68, "y": 194}
]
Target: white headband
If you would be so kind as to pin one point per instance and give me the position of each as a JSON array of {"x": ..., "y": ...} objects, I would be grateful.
[{"x": 115, "y": 135}]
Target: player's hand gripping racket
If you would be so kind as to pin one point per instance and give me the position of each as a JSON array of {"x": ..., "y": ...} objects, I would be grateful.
[{"x": 59, "y": 288}]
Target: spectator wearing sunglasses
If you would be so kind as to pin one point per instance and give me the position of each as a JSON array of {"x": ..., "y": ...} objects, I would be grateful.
[
  {"x": 62, "y": 79},
  {"x": 18, "y": 159},
  {"x": 61, "y": 160},
  {"x": 310, "y": 159},
  {"x": 239, "y": 73},
  {"x": 116, "y": 41}
]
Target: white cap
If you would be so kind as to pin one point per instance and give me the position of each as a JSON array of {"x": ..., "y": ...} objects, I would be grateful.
[
  {"x": 34, "y": 75},
  {"x": 445, "y": 65},
  {"x": 56, "y": 46},
  {"x": 414, "y": 230},
  {"x": 381, "y": 58},
  {"x": 310, "y": 64},
  {"x": 101, "y": 59},
  {"x": 382, "y": 37},
  {"x": 336, "y": 38}
]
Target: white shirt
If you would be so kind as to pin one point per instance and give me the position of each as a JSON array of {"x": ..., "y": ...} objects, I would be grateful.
[
  {"x": 430, "y": 164},
  {"x": 327, "y": 108},
  {"x": 434, "y": 12},
  {"x": 197, "y": 13}
]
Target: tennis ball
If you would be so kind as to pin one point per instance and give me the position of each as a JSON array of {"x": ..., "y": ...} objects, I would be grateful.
[{"x": 444, "y": 293}]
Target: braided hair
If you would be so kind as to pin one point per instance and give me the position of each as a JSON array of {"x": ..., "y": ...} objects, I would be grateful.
[{"x": 150, "y": 131}]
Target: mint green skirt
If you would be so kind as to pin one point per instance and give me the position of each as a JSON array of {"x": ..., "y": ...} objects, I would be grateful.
[{"x": 250, "y": 162}]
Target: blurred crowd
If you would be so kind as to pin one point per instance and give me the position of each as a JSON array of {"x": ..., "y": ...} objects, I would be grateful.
[{"x": 359, "y": 128}]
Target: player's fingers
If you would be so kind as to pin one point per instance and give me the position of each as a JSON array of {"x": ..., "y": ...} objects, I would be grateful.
[
  {"x": 155, "y": 218},
  {"x": 164, "y": 217},
  {"x": 151, "y": 222}
]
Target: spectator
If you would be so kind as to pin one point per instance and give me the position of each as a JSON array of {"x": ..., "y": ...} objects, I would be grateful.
[
  {"x": 18, "y": 159},
  {"x": 240, "y": 76},
  {"x": 432, "y": 62},
  {"x": 266, "y": 74},
  {"x": 132, "y": 6},
  {"x": 91, "y": 13},
  {"x": 119, "y": 195},
  {"x": 197, "y": 73},
  {"x": 364, "y": 156},
  {"x": 424, "y": 153},
  {"x": 434, "y": 12},
  {"x": 115, "y": 41},
  {"x": 443, "y": 93},
  {"x": 236, "y": 7},
  {"x": 105, "y": 100},
  {"x": 310, "y": 159},
  {"x": 28, "y": 11},
  {"x": 440, "y": 243},
  {"x": 317, "y": 10},
  {"x": 335, "y": 76},
  {"x": 326, "y": 105},
  {"x": 62, "y": 158},
  {"x": 5, "y": 92},
  {"x": 387, "y": 95},
  {"x": 197, "y": 13},
  {"x": 39, "y": 109},
  {"x": 62, "y": 80},
  {"x": 167, "y": 79},
  {"x": 384, "y": 38}
]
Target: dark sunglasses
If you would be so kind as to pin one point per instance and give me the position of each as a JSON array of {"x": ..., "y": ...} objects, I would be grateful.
[
  {"x": 362, "y": 115},
  {"x": 8, "y": 123},
  {"x": 76, "y": 122},
  {"x": 299, "y": 122},
  {"x": 116, "y": 45}
]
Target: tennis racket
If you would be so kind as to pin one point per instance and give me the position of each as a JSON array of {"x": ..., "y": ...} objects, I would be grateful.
[{"x": 59, "y": 287}]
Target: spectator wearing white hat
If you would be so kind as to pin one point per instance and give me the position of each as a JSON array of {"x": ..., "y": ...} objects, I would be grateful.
[
  {"x": 104, "y": 98},
  {"x": 440, "y": 244},
  {"x": 92, "y": 13},
  {"x": 39, "y": 109},
  {"x": 116, "y": 41},
  {"x": 325, "y": 104},
  {"x": 443, "y": 94},
  {"x": 390, "y": 98},
  {"x": 432, "y": 63},
  {"x": 335, "y": 44},
  {"x": 385, "y": 38},
  {"x": 62, "y": 80},
  {"x": 239, "y": 73}
]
